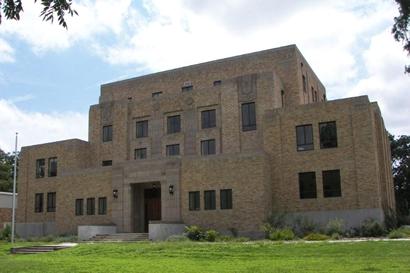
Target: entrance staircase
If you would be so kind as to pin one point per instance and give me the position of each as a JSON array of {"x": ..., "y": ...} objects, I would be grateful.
[
  {"x": 39, "y": 249},
  {"x": 120, "y": 237}
]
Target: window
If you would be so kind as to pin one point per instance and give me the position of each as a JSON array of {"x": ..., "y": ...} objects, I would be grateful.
[
  {"x": 172, "y": 149},
  {"x": 90, "y": 206},
  {"x": 156, "y": 94},
  {"x": 51, "y": 202},
  {"x": 304, "y": 83},
  {"x": 226, "y": 199},
  {"x": 187, "y": 88},
  {"x": 107, "y": 133},
  {"x": 307, "y": 185},
  {"x": 140, "y": 153},
  {"x": 106, "y": 163},
  {"x": 142, "y": 128},
  {"x": 208, "y": 119},
  {"x": 79, "y": 205},
  {"x": 102, "y": 205},
  {"x": 174, "y": 124},
  {"x": 218, "y": 82},
  {"x": 328, "y": 134},
  {"x": 38, "y": 202},
  {"x": 248, "y": 117},
  {"x": 209, "y": 197},
  {"x": 331, "y": 183},
  {"x": 52, "y": 166},
  {"x": 208, "y": 147},
  {"x": 313, "y": 94},
  {"x": 40, "y": 167},
  {"x": 194, "y": 203},
  {"x": 304, "y": 137},
  {"x": 316, "y": 96},
  {"x": 282, "y": 96}
]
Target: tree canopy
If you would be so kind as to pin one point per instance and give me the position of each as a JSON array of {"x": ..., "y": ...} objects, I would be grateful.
[
  {"x": 6, "y": 171},
  {"x": 400, "y": 30},
  {"x": 11, "y": 10}
]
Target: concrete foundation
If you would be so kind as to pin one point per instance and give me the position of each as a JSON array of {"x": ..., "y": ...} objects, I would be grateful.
[
  {"x": 87, "y": 232},
  {"x": 159, "y": 231},
  {"x": 27, "y": 230}
]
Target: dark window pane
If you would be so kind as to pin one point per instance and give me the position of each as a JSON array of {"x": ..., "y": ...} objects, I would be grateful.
[
  {"x": 248, "y": 116},
  {"x": 40, "y": 167},
  {"x": 307, "y": 185},
  {"x": 38, "y": 202},
  {"x": 194, "y": 200},
  {"x": 140, "y": 153},
  {"x": 142, "y": 128},
  {"x": 90, "y": 206},
  {"x": 304, "y": 83},
  {"x": 174, "y": 124},
  {"x": 331, "y": 183},
  {"x": 208, "y": 147},
  {"x": 52, "y": 166},
  {"x": 172, "y": 150},
  {"x": 51, "y": 202},
  {"x": 156, "y": 94},
  {"x": 102, "y": 205},
  {"x": 187, "y": 88},
  {"x": 79, "y": 205},
  {"x": 208, "y": 119},
  {"x": 304, "y": 137},
  {"x": 217, "y": 82},
  {"x": 210, "y": 203},
  {"x": 226, "y": 199},
  {"x": 106, "y": 163},
  {"x": 328, "y": 134},
  {"x": 107, "y": 133}
]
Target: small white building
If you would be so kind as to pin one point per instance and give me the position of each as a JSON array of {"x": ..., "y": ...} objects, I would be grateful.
[{"x": 6, "y": 205}]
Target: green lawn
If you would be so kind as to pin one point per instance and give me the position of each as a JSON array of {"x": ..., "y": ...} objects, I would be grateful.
[{"x": 215, "y": 257}]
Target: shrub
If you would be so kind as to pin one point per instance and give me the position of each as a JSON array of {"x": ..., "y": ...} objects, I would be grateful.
[
  {"x": 303, "y": 226},
  {"x": 316, "y": 237},
  {"x": 396, "y": 234},
  {"x": 282, "y": 235},
  {"x": 267, "y": 229},
  {"x": 335, "y": 226},
  {"x": 194, "y": 233},
  {"x": 390, "y": 220},
  {"x": 211, "y": 235},
  {"x": 277, "y": 220},
  {"x": 233, "y": 231},
  {"x": 177, "y": 238},
  {"x": 336, "y": 236},
  {"x": 6, "y": 233},
  {"x": 372, "y": 228}
]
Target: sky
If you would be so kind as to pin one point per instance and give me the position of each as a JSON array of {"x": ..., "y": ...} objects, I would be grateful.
[{"x": 49, "y": 76}]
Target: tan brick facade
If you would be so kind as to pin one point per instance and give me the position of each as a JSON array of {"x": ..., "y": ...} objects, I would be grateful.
[{"x": 260, "y": 166}]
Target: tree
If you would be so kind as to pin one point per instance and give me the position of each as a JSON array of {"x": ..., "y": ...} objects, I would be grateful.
[
  {"x": 400, "y": 148},
  {"x": 6, "y": 171},
  {"x": 400, "y": 30},
  {"x": 11, "y": 10}
]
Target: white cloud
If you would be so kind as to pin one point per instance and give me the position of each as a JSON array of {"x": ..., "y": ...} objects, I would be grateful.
[
  {"x": 36, "y": 127},
  {"x": 6, "y": 52}
]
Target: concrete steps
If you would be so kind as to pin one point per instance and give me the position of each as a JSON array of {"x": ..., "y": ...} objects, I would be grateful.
[
  {"x": 36, "y": 249},
  {"x": 120, "y": 237}
]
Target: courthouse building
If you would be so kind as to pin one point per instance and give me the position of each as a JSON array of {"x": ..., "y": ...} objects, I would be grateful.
[{"x": 222, "y": 144}]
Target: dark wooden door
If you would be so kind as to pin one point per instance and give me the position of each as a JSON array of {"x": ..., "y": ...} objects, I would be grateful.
[{"x": 152, "y": 202}]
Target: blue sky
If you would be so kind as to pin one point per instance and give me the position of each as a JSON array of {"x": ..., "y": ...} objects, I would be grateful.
[{"x": 49, "y": 76}]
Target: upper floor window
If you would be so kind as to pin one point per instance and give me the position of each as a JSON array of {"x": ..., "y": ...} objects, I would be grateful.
[
  {"x": 38, "y": 202},
  {"x": 282, "y": 97},
  {"x": 172, "y": 149},
  {"x": 174, "y": 124},
  {"x": 187, "y": 88},
  {"x": 102, "y": 205},
  {"x": 208, "y": 119},
  {"x": 142, "y": 128},
  {"x": 79, "y": 207},
  {"x": 156, "y": 94},
  {"x": 106, "y": 163},
  {"x": 194, "y": 200},
  {"x": 304, "y": 137},
  {"x": 51, "y": 202},
  {"x": 307, "y": 185},
  {"x": 107, "y": 133},
  {"x": 248, "y": 116},
  {"x": 217, "y": 82},
  {"x": 226, "y": 199},
  {"x": 208, "y": 147},
  {"x": 210, "y": 200},
  {"x": 90, "y": 206},
  {"x": 140, "y": 153},
  {"x": 328, "y": 134},
  {"x": 52, "y": 166},
  {"x": 313, "y": 94},
  {"x": 304, "y": 83},
  {"x": 331, "y": 183},
  {"x": 40, "y": 167}
]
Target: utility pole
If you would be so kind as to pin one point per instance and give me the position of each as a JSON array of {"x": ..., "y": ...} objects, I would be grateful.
[{"x": 13, "y": 219}]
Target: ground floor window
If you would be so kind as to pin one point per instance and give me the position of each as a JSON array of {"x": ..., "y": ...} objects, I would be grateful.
[
  {"x": 331, "y": 183},
  {"x": 194, "y": 200},
  {"x": 209, "y": 197},
  {"x": 51, "y": 202},
  {"x": 79, "y": 205},
  {"x": 102, "y": 205},
  {"x": 38, "y": 202},
  {"x": 226, "y": 199},
  {"x": 90, "y": 206},
  {"x": 307, "y": 185}
]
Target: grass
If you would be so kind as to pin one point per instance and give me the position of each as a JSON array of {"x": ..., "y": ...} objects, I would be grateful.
[{"x": 262, "y": 256}]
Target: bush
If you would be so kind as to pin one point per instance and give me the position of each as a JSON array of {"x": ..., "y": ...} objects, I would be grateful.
[
  {"x": 277, "y": 220},
  {"x": 335, "y": 226},
  {"x": 6, "y": 233},
  {"x": 211, "y": 235},
  {"x": 396, "y": 234},
  {"x": 303, "y": 226},
  {"x": 194, "y": 233},
  {"x": 405, "y": 230},
  {"x": 390, "y": 220},
  {"x": 267, "y": 229},
  {"x": 336, "y": 236},
  {"x": 282, "y": 235},
  {"x": 177, "y": 238},
  {"x": 372, "y": 228},
  {"x": 234, "y": 232},
  {"x": 316, "y": 237}
]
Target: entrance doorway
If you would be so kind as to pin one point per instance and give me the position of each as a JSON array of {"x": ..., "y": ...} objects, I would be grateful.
[
  {"x": 152, "y": 205},
  {"x": 146, "y": 205}
]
